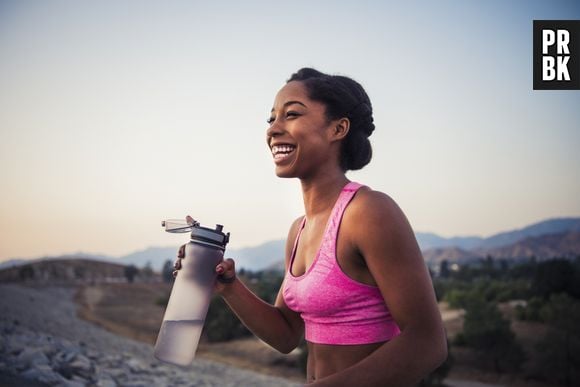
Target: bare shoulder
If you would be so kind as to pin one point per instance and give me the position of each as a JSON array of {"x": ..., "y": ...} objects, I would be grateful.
[
  {"x": 379, "y": 227},
  {"x": 372, "y": 207}
]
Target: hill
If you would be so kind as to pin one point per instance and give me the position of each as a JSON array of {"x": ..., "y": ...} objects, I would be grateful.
[
  {"x": 542, "y": 247},
  {"x": 64, "y": 271},
  {"x": 539, "y": 239}
]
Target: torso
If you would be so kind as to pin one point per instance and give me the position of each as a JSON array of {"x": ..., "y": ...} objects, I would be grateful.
[
  {"x": 349, "y": 258},
  {"x": 326, "y": 359}
]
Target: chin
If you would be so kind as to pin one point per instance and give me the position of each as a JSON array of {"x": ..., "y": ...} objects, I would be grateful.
[{"x": 284, "y": 173}]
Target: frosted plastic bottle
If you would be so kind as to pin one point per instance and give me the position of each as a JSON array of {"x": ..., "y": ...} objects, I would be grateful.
[{"x": 191, "y": 293}]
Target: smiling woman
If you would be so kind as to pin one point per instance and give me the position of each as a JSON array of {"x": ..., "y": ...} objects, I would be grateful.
[{"x": 356, "y": 286}]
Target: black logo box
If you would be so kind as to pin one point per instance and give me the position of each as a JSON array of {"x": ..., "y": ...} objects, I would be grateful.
[{"x": 573, "y": 27}]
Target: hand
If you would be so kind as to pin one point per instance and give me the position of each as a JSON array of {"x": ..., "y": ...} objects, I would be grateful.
[
  {"x": 177, "y": 264},
  {"x": 226, "y": 275}
]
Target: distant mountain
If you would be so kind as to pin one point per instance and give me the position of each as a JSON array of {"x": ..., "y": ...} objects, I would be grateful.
[
  {"x": 430, "y": 241},
  {"x": 261, "y": 257},
  {"x": 551, "y": 226},
  {"x": 251, "y": 258},
  {"x": 156, "y": 256},
  {"x": 565, "y": 245},
  {"x": 12, "y": 263},
  {"x": 521, "y": 242},
  {"x": 451, "y": 254}
]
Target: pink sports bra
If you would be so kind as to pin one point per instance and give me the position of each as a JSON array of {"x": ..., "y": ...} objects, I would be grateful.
[{"x": 335, "y": 308}]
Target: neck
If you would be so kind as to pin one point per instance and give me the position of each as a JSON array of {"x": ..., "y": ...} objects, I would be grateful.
[{"x": 320, "y": 194}]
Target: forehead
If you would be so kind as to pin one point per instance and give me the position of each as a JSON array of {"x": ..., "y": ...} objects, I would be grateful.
[{"x": 292, "y": 91}]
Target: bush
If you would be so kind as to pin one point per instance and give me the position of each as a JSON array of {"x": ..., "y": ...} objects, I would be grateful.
[
  {"x": 221, "y": 324},
  {"x": 491, "y": 336}
]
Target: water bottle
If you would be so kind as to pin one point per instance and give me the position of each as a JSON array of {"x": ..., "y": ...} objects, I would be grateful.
[{"x": 191, "y": 293}]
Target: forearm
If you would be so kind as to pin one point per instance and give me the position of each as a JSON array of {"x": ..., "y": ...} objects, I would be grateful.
[
  {"x": 403, "y": 361},
  {"x": 264, "y": 320}
]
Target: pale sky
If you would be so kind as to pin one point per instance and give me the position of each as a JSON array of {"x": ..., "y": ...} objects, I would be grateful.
[{"x": 115, "y": 115}]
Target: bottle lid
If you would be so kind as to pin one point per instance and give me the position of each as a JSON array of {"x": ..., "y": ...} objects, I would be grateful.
[
  {"x": 214, "y": 237},
  {"x": 199, "y": 234}
]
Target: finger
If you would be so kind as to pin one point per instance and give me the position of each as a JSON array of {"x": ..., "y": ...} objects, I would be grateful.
[
  {"x": 177, "y": 264},
  {"x": 181, "y": 252},
  {"x": 189, "y": 219},
  {"x": 224, "y": 266},
  {"x": 175, "y": 273}
]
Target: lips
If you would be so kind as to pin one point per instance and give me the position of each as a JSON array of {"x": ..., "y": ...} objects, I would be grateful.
[{"x": 282, "y": 151}]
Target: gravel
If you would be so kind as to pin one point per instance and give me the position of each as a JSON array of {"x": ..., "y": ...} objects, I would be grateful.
[{"x": 44, "y": 343}]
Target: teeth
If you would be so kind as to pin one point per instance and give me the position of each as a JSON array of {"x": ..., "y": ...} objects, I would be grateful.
[{"x": 276, "y": 149}]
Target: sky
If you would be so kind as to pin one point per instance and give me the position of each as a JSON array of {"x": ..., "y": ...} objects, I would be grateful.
[{"x": 115, "y": 115}]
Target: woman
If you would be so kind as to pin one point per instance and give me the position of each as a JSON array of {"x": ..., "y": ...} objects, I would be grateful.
[{"x": 356, "y": 285}]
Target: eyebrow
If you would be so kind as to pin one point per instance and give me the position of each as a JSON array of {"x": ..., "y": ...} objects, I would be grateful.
[{"x": 290, "y": 103}]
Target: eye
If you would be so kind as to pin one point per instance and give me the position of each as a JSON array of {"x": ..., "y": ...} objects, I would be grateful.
[{"x": 292, "y": 114}]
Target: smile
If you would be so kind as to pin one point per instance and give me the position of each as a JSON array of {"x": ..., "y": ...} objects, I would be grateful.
[{"x": 281, "y": 152}]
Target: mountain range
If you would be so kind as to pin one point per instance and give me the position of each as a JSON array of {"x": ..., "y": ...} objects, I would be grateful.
[{"x": 547, "y": 239}]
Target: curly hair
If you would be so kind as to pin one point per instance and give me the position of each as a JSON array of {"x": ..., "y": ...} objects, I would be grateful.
[{"x": 343, "y": 97}]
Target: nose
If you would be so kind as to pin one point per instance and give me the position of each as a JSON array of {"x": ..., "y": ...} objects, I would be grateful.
[{"x": 273, "y": 131}]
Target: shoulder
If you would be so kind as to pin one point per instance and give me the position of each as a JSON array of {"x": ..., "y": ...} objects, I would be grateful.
[
  {"x": 375, "y": 221},
  {"x": 370, "y": 206}
]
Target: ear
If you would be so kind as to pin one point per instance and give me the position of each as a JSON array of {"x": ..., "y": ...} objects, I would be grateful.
[{"x": 340, "y": 129}]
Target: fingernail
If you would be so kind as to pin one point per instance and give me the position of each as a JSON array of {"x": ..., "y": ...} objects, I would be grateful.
[{"x": 219, "y": 269}]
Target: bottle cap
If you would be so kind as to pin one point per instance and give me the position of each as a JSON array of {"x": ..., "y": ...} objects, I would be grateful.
[
  {"x": 199, "y": 234},
  {"x": 214, "y": 237}
]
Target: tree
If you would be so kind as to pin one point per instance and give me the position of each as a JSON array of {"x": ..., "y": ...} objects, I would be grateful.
[
  {"x": 167, "y": 271},
  {"x": 221, "y": 324},
  {"x": 147, "y": 271},
  {"x": 26, "y": 272},
  {"x": 554, "y": 276},
  {"x": 444, "y": 269},
  {"x": 130, "y": 273},
  {"x": 559, "y": 351},
  {"x": 491, "y": 336}
]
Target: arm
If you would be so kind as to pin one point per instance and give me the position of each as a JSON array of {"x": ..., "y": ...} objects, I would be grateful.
[
  {"x": 275, "y": 324},
  {"x": 383, "y": 236}
]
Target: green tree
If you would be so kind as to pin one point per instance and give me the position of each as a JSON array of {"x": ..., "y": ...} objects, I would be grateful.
[
  {"x": 221, "y": 324},
  {"x": 491, "y": 336},
  {"x": 554, "y": 276},
  {"x": 559, "y": 351}
]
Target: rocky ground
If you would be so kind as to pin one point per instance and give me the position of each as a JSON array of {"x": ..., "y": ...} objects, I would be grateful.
[{"x": 44, "y": 343}]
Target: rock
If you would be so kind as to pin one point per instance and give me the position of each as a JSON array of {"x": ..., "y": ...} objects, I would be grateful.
[
  {"x": 77, "y": 380},
  {"x": 15, "y": 344},
  {"x": 44, "y": 374},
  {"x": 105, "y": 381},
  {"x": 137, "y": 383},
  {"x": 82, "y": 354},
  {"x": 31, "y": 357},
  {"x": 81, "y": 366},
  {"x": 136, "y": 366}
]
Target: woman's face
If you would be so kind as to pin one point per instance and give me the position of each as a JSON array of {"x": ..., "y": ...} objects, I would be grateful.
[{"x": 299, "y": 135}]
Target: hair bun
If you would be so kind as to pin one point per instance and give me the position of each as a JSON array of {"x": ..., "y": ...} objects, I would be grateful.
[{"x": 363, "y": 114}]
